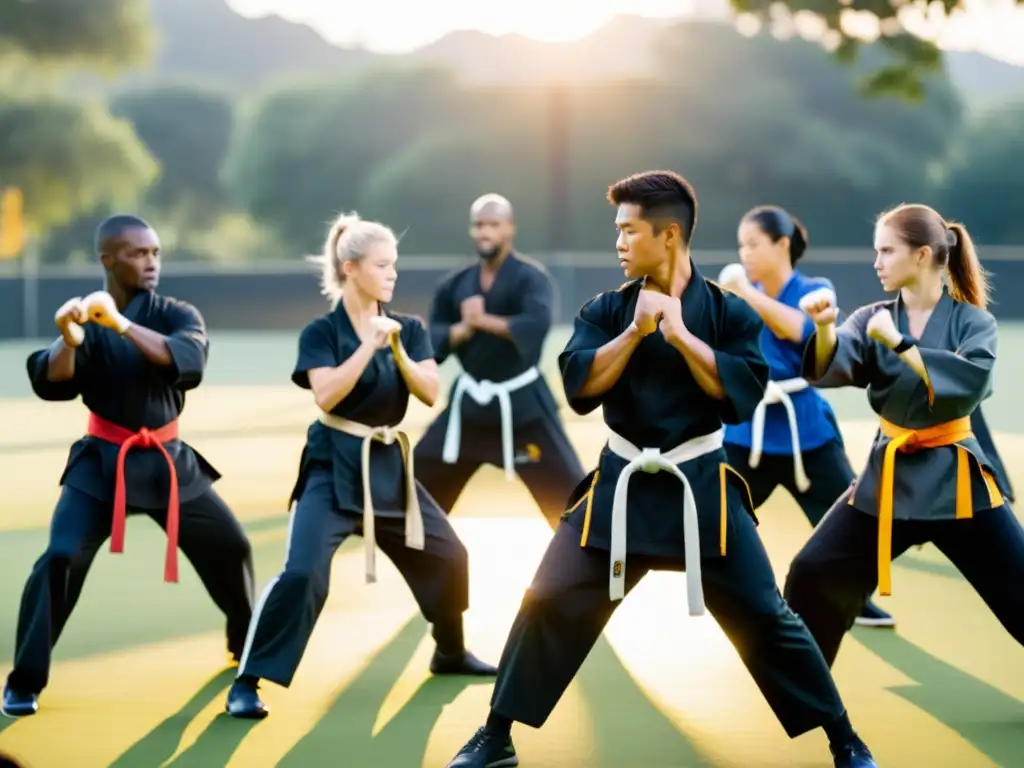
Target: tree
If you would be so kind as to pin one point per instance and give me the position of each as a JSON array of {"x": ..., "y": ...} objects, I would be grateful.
[
  {"x": 188, "y": 129},
  {"x": 67, "y": 155},
  {"x": 843, "y": 26}
]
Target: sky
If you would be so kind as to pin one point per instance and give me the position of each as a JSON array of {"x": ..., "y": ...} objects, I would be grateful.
[{"x": 995, "y": 27}]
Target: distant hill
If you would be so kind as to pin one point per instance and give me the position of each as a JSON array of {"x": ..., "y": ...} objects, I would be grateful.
[{"x": 206, "y": 39}]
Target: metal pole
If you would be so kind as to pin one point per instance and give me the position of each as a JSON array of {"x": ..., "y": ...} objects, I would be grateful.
[{"x": 30, "y": 287}]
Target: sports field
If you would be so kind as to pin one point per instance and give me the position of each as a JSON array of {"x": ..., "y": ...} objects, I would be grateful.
[{"x": 140, "y": 676}]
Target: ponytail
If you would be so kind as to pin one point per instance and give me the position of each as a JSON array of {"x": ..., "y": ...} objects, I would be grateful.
[{"x": 968, "y": 280}]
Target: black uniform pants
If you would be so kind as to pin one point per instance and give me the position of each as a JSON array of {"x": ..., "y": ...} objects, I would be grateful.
[
  {"x": 291, "y": 603},
  {"x": 545, "y": 461},
  {"x": 837, "y": 569},
  {"x": 828, "y": 468},
  {"x": 209, "y": 536},
  {"x": 567, "y": 607}
]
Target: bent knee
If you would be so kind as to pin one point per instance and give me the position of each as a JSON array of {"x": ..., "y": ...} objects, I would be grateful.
[{"x": 807, "y": 569}]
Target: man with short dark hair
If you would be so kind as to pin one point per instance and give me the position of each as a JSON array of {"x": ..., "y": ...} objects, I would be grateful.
[
  {"x": 671, "y": 358},
  {"x": 131, "y": 355}
]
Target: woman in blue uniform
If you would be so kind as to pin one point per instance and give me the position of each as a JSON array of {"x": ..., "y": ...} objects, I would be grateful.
[
  {"x": 794, "y": 439},
  {"x": 361, "y": 362}
]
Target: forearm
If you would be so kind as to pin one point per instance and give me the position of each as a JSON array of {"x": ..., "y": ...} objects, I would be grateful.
[
  {"x": 610, "y": 361},
  {"x": 824, "y": 348},
  {"x": 785, "y": 322},
  {"x": 151, "y": 344},
  {"x": 421, "y": 378},
  {"x": 700, "y": 358},
  {"x": 494, "y": 325},
  {"x": 61, "y": 362},
  {"x": 339, "y": 382}
]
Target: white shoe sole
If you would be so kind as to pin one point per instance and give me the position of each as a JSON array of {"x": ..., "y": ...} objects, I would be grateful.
[{"x": 863, "y": 621}]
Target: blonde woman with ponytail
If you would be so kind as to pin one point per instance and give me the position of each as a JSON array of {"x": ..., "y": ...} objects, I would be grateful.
[
  {"x": 926, "y": 359},
  {"x": 361, "y": 361}
]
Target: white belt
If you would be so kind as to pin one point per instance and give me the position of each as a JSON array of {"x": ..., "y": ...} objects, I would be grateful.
[
  {"x": 483, "y": 392},
  {"x": 652, "y": 460},
  {"x": 779, "y": 392},
  {"x": 414, "y": 535}
]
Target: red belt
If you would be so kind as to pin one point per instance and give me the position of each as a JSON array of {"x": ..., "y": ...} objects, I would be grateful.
[{"x": 144, "y": 438}]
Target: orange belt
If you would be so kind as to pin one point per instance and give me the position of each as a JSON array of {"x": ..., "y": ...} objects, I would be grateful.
[
  {"x": 908, "y": 441},
  {"x": 144, "y": 438}
]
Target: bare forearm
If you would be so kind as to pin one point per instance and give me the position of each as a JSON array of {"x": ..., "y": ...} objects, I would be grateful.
[
  {"x": 785, "y": 322},
  {"x": 421, "y": 378},
  {"x": 610, "y": 361},
  {"x": 151, "y": 344},
  {"x": 339, "y": 382},
  {"x": 61, "y": 362},
  {"x": 701, "y": 360},
  {"x": 824, "y": 348}
]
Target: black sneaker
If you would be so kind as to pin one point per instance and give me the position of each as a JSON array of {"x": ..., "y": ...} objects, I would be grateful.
[
  {"x": 853, "y": 755},
  {"x": 873, "y": 616},
  {"x": 488, "y": 749}
]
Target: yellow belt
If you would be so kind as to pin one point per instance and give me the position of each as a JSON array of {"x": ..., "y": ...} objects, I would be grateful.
[{"x": 908, "y": 441}]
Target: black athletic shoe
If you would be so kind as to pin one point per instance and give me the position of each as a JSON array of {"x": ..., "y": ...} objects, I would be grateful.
[
  {"x": 464, "y": 663},
  {"x": 244, "y": 701},
  {"x": 490, "y": 749},
  {"x": 19, "y": 704},
  {"x": 873, "y": 616},
  {"x": 853, "y": 755}
]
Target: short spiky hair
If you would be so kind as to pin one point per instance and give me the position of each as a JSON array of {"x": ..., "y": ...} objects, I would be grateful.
[{"x": 664, "y": 197}]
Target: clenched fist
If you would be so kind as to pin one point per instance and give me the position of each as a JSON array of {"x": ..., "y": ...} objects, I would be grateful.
[
  {"x": 649, "y": 311},
  {"x": 820, "y": 305},
  {"x": 70, "y": 318},
  {"x": 102, "y": 310},
  {"x": 383, "y": 329},
  {"x": 882, "y": 328}
]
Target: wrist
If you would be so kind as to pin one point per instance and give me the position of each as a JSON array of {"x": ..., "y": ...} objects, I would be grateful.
[{"x": 903, "y": 344}]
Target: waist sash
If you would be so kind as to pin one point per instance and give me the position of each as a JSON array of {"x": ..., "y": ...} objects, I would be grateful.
[
  {"x": 414, "y": 534},
  {"x": 774, "y": 393},
  {"x": 483, "y": 392},
  {"x": 109, "y": 432},
  {"x": 653, "y": 460},
  {"x": 908, "y": 441}
]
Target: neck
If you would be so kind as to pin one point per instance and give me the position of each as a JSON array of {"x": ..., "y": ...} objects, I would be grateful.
[
  {"x": 773, "y": 283},
  {"x": 673, "y": 278},
  {"x": 923, "y": 295},
  {"x": 359, "y": 306},
  {"x": 119, "y": 293},
  {"x": 493, "y": 265}
]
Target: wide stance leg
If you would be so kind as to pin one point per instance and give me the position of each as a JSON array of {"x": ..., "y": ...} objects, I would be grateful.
[
  {"x": 212, "y": 539},
  {"x": 438, "y": 576},
  {"x": 832, "y": 577},
  {"x": 773, "y": 643},
  {"x": 555, "y": 473},
  {"x": 78, "y": 529},
  {"x": 444, "y": 482},
  {"x": 988, "y": 550},
  {"x": 291, "y": 603}
]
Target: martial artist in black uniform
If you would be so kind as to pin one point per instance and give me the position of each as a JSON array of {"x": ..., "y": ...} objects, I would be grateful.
[
  {"x": 131, "y": 355},
  {"x": 494, "y": 317},
  {"x": 670, "y": 357},
  {"x": 361, "y": 362}
]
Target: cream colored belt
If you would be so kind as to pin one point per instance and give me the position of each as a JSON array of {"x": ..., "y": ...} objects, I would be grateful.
[
  {"x": 779, "y": 392},
  {"x": 414, "y": 534},
  {"x": 653, "y": 460},
  {"x": 483, "y": 392}
]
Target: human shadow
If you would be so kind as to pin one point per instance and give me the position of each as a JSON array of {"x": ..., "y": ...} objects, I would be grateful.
[
  {"x": 160, "y": 744},
  {"x": 988, "y": 718},
  {"x": 619, "y": 706},
  {"x": 347, "y": 726},
  {"x": 215, "y": 746}
]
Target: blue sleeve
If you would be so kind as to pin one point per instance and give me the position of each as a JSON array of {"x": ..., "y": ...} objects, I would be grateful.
[
  {"x": 807, "y": 286},
  {"x": 742, "y": 368},
  {"x": 188, "y": 344},
  {"x": 592, "y": 329},
  {"x": 317, "y": 349},
  {"x": 416, "y": 340}
]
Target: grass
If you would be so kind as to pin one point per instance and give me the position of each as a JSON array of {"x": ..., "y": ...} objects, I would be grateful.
[{"x": 139, "y": 677}]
